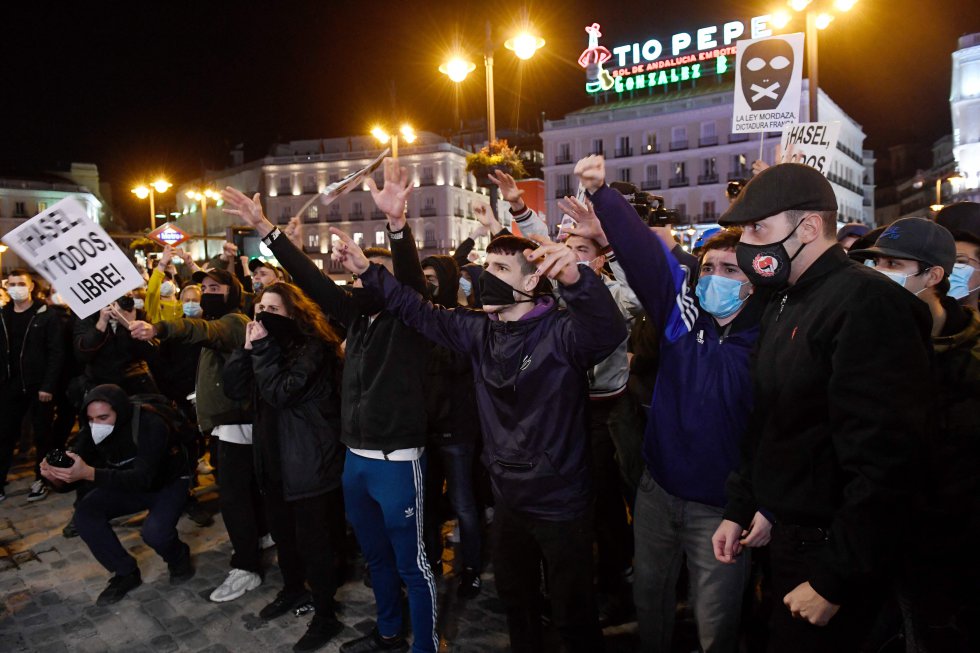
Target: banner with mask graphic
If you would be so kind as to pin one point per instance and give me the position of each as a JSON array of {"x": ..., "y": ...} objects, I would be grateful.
[
  {"x": 76, "y": 256},
  {"x": 811, "y": 143},
  {"x": 768, "y": 81}
]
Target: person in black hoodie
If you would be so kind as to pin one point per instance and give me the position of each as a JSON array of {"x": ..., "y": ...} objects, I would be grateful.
[
  {"x": 454, "y": 432},
  {"x": 382, "y": 415},
  {"x": 124, "y": 469},
  {"x": 291, "y": 361}
]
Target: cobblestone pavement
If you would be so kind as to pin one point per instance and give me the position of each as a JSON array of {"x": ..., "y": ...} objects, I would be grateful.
[{"x": 48, "y": 587}]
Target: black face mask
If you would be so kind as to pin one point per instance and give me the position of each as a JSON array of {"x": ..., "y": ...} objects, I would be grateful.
[
  {"x": 432, "y": 289},
  {"x": 126, "y": 303},
  {"x": 369, "y": 301},
  {"x": 280, "y": 327},
  {"x": 213, "y": 305},
  {"x": 767, "y": 265},
  {"x": 494, "y": 291}
]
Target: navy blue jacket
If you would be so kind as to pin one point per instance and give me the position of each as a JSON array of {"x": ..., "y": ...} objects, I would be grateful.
[
  {"x": 703, "y": 394},
  {"x": 531, "y": 386}
]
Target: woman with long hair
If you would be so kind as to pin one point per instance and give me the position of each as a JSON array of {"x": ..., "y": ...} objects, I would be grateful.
[{"x": 291, "y": 361}]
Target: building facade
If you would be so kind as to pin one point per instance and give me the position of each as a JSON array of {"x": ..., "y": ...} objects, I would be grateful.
[
  {"x": 22, "y": 196},
  {"x": 964, "y": 103},
  {"x": 680, "y": 146},
  {"x": 440, "y": 208}
]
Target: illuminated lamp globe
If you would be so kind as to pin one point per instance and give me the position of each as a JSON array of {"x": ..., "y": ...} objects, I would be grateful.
[
  {"x": 524, "y": 45},
  {"x": 780, "y": 18},
  {"x": 798, "y": 5},
  {"x": 845, "y": 5},
  {"x": 408, "y": 134},
  {"x": 380, "y": 134},
  {"x": 161, "y": 186},
  {"x": 823, "y": 20},
  {"x": 141, "y": 192},
  {"x": 457, "y": 69}
]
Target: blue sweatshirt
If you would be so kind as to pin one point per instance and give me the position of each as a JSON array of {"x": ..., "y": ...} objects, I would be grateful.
[{"x": 703, "y": 393}]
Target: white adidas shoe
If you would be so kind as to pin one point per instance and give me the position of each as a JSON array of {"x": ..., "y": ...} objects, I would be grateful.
[{"x": 236, "y": 584}]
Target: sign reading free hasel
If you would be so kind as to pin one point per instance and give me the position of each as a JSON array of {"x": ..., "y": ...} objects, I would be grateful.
[{"x": 76, "y": 256}]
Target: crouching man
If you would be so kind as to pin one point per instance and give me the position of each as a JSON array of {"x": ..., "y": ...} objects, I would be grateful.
[{"x": 121, "y": 470}]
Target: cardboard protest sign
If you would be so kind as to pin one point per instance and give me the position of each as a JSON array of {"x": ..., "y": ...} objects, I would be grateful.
[
  {"x": 351, "y": 181},
  {"x": 811, "y": 143},
  {"x": 169, "y": 234},
  {"x": 76, "y": 256},
  {"x": 768, "y": 80}
]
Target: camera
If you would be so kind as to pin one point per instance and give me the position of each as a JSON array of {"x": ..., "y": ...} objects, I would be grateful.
[
  {"x": 58, "y": 458},
  {"x": 649, "y": 207}
]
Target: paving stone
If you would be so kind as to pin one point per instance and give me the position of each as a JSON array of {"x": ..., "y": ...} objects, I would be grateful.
[
  {"x": 164, "y": 644},
  {"x": 53, "y": 647},
  {"x": 44, "y": 635},
  {"x": 193, "y": 640}
]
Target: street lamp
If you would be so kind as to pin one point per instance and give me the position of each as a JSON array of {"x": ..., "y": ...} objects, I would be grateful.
[
  {"x": 3, "y": 248},
  {"x": 523, "y": 44},
  {"x": 142, "y": 192},
  {"x": 816, "y": 20},
  {"x": 938, "y": 206},
  {"x": 407, "y": 134},
  {"x": 203, "y": 198}
]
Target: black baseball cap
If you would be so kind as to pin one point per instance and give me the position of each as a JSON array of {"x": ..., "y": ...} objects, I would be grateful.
[
  {"x": 856, "y": 229},
  {"x": 223, "y": 277},
  {"x": 256, "y": 263},
  {"x": 961, "y": 217},
  {"x": 916, "y": 239},
  {"x": 783, "y": 187}
]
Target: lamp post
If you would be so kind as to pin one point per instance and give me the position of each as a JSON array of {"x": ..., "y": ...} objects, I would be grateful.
[
  {"x": 203, "y": 198},
  {"x": 142, "y": 192},
  {"x": 938, "y": 206},
  {"x": 407, "y": 134},
  {"x": 3, "y": 248},
  {"x": 816, "y": 20},
  {"x": 524, "y": 45}
]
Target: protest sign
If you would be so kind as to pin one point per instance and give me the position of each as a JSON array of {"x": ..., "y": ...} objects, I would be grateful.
[
  {"x": 811, "y": 143},
  {"x": 338, "y": 188},
  {"x": 76, "y": 256},
  {"x": 768, "y": 80}
]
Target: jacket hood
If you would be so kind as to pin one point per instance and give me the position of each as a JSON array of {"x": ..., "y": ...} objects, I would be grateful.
[
  {"x": 475, "y": 271},
  {"x": 966, "y": 328},
  {"x": 112, "y": 395},
  {"x": 447, "y": 271}
]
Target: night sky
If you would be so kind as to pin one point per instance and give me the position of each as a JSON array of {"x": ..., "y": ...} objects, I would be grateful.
[{"x": 142, "y": 88}]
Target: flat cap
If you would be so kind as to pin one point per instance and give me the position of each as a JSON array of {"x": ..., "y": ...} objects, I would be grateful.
[{"x": 783, "y": 187}]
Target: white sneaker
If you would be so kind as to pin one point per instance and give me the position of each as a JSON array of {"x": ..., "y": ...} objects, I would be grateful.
[
  {"x": 238, "y": 582},
  {"x": 38, "y": 491}
]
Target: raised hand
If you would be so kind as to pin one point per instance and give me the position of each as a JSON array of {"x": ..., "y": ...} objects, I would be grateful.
[
  {"x": 248, "y": 210},
  {"x": 591, "y": 172},
  {"x": 485, "y": 217},
  {"x": 166, "y": 257},
  {"x": 347, "y": 253},
  {"x": 294, "y": 231},
  {"x": 587, "y": 223},
  {"x": 392, "y": 198},
  {"x": 508, "y": 188},
  {"x": 142, "y": 330},
  {"x": 554, "y": 260}
]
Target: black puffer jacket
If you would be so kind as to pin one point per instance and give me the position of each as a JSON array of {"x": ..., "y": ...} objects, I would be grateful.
[
  {"x": 42, "y": 357},
  {"x": 297, "y": 413}
]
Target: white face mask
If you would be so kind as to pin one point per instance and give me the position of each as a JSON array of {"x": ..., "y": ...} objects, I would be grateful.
[
  {"x": 167, "y": 289},
  {"x": 100, "y": 431},
  {"x": 19, "y": 293},
  {"x": 138, "y": 303}
]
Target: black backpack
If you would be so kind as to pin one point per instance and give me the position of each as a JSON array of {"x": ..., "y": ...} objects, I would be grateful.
[{"x": 183, "y": 434}]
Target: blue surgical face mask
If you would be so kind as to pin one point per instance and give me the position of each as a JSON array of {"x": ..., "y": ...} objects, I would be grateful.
[
  {"x": 897, "y": 277},
  {"x": 720, "y": 296},
  {"x": 466, "y": 286},
  {"x": 192, "y": 309},
  {"x": 959, "y": 280}
]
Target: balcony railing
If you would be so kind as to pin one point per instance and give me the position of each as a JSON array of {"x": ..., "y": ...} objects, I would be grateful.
[
  {"x": 740, "y": 175},
  {"x": 562, "y": 159},
  {"x": 624, "y": 152},
  {"x": 357, "y": 215},
  {"x": 650, "y": 184},
  {"x": 678, "y": 145},
  {"x": 707, "y": 141},
  {"x": 427, "y": 211},
  {"x": 738, "y": 138},
  {"x": 377, "y": 214},
  {"x": 311, "y": 249},
  {"x": 427, "y": 181},
  {"x": 677, "y": 182},
  {"x": 563, "y": 192},
  {"x": 283, "y": 219},
  {"x": 651, "y": 149},
  {"x": 458, "y": 212},
  {"x": 707, "y": 179},
  {"x": 333, "y": 216}
]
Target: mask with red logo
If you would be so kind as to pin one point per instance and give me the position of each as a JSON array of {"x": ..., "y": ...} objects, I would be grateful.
[{"x": 767, "y": 265}]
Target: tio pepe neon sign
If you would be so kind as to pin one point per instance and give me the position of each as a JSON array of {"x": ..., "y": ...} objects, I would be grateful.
[{"x": 644, "y": 65}]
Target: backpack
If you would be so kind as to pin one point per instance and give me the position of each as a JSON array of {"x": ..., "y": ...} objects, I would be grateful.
[{"x": 183, "y": 434}]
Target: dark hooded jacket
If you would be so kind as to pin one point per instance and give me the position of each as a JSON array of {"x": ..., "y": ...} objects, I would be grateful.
[
  {"x": 41, "y": 358},
  {"x": 450, "y": 396},
  {"x": 146, "y": 465}
]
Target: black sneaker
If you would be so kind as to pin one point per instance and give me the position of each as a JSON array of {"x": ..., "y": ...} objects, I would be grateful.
[
  {"x": 119, "y": 586},
  {"x": 69, "y": 531},
  {"x": 283, "y": 603},
  {"x": 373, "y": 641},
  {"x": 182, "y": 571},
  {"x": 322, "y": 629},
  {"x": 469, "y": 583}
]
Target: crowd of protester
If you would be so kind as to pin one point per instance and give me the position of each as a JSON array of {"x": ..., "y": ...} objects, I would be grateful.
[{"x": 781, "y": 429}]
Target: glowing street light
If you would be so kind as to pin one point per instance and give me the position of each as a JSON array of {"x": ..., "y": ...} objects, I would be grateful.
[
  {"x": 203, "y": 198},
  {"x": 938, "y": 206},
  {"x": 144, "y": 191},
  {"x": 817, "y": 18},
  {"x": 457, "y": 68},
  {"x": 524, "y": 45},
  {"x": 3, "y": 248},
  {"x": 406, "y": 132}
]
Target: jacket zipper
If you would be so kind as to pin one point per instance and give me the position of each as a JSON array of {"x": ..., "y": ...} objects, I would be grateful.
[
  {"x": 782, "y": 305},
  {"x": 6, "y": 341},
  {"x": 23, "y": 347}
]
